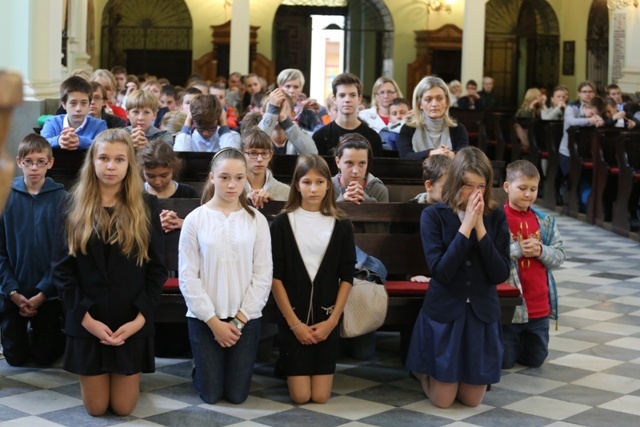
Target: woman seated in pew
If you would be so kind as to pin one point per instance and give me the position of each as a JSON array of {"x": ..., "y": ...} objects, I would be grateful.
[
  {"x": 261, "y": 186},
  {"x": 159, "y": 166},
  {"x": 533, "y": 105},
  {"x": 384, "y": 91},
  {"x": 430, "y": 130}
]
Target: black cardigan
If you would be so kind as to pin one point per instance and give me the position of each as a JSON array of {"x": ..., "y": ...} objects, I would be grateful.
[
  {"x": 338, "y": 265},
  {"x": 110, "y": 286},
  {"x": 459, "y": 140}
]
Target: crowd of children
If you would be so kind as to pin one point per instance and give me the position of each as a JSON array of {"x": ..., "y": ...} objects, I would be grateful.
[{"x": 108, "y": 231}]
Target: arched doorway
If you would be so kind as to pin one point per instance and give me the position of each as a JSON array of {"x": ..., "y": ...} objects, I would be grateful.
[
  {"x": 368, "y": 33},
  {"x": 522, "y": 47},
  {"x": 598, "y": 45},
  {"x": 147, "y": 36}
]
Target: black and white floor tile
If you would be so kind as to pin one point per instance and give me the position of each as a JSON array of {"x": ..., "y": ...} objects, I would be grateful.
[{"x": 591, "y": 378}]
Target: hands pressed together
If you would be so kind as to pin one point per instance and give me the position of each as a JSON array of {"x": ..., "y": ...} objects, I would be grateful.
[
  {"x": 259, "y": 197},
  {"x": 170, "y": 220},
  {"x": 28, "y": 306},
  {"x": 473, "y": 217},
  {"x": 354, "y": 193},
  {"x": 68, "y": 140},
  {"x": 444, "y": 150},
  {"x": 108, "y": 337},
  {"x": 313, "y": 334}
]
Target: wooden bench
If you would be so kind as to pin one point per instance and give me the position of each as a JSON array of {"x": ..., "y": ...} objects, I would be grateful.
[{"x": 401, "y": 252}]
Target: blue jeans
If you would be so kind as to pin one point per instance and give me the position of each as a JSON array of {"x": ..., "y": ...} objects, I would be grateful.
[
  {"x": 223, "y": 373},
  {"x": 526, "y": 343}
]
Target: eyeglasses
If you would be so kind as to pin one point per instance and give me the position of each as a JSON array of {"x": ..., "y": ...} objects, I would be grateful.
[
  {"x": 254, "y": 154},
  {"x": 97, "y": 99},
  {"x": 387, "y": 92},
  {"x": 586, "y": 91},
  {"x": 29, "y": 163}
]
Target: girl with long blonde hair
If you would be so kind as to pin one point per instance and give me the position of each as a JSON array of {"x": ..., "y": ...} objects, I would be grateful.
[{"x": 109, "y": 269}]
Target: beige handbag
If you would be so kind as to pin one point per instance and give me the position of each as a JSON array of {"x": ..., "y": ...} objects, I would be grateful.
[{"x": 365, "y": 310}]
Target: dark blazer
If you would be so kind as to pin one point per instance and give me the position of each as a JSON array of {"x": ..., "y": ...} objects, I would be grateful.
[
  {"x": 113, "y": 121},
  {"x": 337, "y": 265},
  {"x": 107, "y": 284},
  {"x": 464, "y": 103},
  {"x": 458, "y": 134},
  {"x": 463, "y": 268}
]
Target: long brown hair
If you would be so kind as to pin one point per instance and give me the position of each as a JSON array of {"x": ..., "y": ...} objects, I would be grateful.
[
  {"x": 304, "y": 165},
  {"x": 128, "y": 225},
  {"x": 209, "y": 189},
  {"x": 468, "y": 160}
]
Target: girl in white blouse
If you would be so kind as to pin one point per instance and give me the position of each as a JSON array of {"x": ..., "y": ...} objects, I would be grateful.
[{"x": 225, "y": 271}]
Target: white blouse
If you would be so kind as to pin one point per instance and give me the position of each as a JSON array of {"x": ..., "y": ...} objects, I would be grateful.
[
  {"x": 225, "y": 263},
  {"x": 312, "y": 232}
]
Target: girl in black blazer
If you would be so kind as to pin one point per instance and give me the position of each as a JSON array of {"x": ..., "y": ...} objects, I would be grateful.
[
  {"x": 456, "y": 347},
  {"x": 109, "y": 270},
  {"x": 313, "y": 265}
]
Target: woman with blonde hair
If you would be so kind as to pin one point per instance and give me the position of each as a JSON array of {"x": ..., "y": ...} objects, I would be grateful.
[
  {"x": 108, "y": 82},
  {"x": 109, "y": 269},
  {"x": 384, "y": 91},
  {"x": 533, "y": 105},
  {"x": 430, "y": 130}
]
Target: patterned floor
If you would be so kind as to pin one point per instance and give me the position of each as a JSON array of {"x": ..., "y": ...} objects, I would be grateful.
[{"x": 592, "y": 376}]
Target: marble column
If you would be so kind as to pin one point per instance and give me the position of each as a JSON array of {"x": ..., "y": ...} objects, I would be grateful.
[
  {"x": 473, "y": 41},
  {"x": 31, "y": 31},
  {"x": 240, "y": 33},
  {"x": 630, "y": 80},
  {"x": 77, "y": 57}
]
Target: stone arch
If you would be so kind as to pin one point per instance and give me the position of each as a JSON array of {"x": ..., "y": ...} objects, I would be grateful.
[{"x": 147, "y": 36}]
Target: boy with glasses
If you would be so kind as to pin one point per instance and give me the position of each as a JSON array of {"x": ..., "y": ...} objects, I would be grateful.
[
  {"x": 30, "y": 311},
  {"x": 211, "y": 131},
  {"x": 76, "y": 129}
]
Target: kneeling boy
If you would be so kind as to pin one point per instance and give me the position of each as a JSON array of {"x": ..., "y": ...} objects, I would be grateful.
[
  {"x": 27, "y": 230},
  {"x": 535, "y": 249}
]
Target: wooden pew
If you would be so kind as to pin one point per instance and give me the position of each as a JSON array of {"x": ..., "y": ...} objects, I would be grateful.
[
  {"x": 471, "y": 120},
  {"x": 197, "y": 165},
  {"x": 548, "y": 135},
  {"x": 625, "y": 210},
  {"x": 401, "y": 252}
]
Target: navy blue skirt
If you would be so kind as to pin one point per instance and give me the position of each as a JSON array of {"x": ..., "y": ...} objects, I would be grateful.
[{"x": 466, "y": 350}]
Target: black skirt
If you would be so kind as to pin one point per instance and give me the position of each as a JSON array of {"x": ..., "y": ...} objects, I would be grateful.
[
  {"x": 86, "y": 356},
  {"x": 308, "y": 360}
]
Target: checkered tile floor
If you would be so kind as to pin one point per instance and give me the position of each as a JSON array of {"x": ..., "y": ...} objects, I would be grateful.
[{"x": 591, "y": 378}]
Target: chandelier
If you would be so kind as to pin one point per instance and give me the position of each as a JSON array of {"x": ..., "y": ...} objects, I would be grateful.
[{"x": 440, "y": 5}]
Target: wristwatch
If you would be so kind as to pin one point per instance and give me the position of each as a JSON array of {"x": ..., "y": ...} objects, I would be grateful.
[
  {"x": 238, "y": 324},
  {"x": 12, "y": 293}
]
